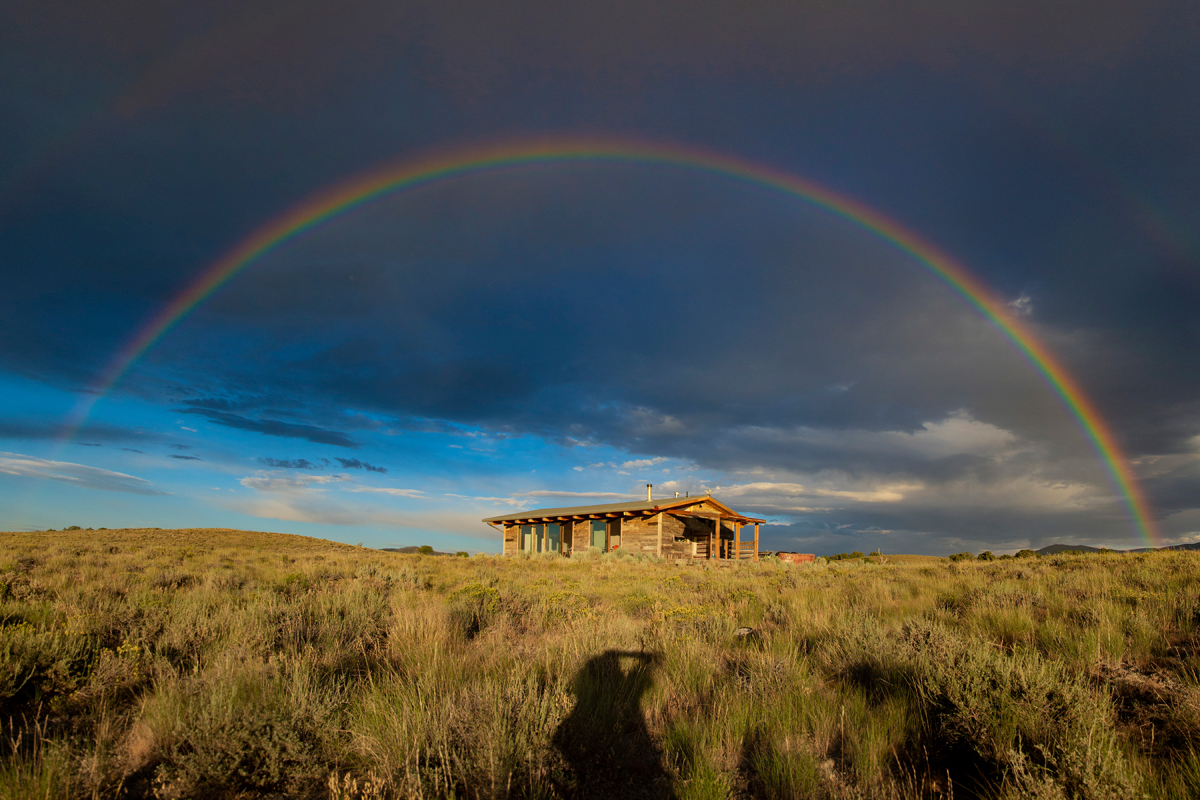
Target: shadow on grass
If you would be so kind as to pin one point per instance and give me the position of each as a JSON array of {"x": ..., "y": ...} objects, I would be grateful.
[{"x": 604, "y": 742}]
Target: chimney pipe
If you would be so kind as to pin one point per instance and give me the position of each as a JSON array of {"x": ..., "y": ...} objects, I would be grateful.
[
  {"x": 677, "y": 494},
  {"x": 649, "y": 486}
]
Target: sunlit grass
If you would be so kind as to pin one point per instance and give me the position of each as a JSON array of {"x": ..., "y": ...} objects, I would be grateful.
[{"x": 223, "y": 663}]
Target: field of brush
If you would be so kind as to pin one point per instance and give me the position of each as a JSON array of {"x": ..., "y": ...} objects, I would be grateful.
[{"x": 214, "y": 663}]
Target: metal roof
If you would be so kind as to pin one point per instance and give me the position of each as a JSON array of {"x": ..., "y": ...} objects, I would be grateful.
[{"x": 609, "y": 508}]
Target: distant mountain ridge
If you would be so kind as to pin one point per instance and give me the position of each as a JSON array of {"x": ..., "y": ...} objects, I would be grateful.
[
  {"x": 1052, "y": 549},
  {"x": 413, "y": 549}
]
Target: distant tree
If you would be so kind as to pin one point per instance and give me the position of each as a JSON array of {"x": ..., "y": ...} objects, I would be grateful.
[
  {"x": 1006, "y": 557},
  {"x": 986, "y": 555},
  {"x": 463, "y": 554},
  {"x": 1027, "y": 553},
  {"x": 425, "y": 550},
  {"x": 846, "y": 556},
  {"x": 964, "y": 556}
]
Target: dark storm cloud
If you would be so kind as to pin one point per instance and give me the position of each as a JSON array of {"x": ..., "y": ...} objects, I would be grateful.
[
  {"x": 186, "y": 458},
  {"x": 274, "y": 427},
  {"x": 293, "y": 463},
  {"x": 1049, "y": 147},
  {"x": 354, "y": 463}
]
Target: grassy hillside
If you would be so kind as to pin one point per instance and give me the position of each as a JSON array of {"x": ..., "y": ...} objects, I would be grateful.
[{"x": 228, "y": 664}]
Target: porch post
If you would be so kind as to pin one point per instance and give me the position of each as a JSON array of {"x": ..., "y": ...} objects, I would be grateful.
[
  {"x": 737, "y": 541},
  {"x": 756, "y": 541}
]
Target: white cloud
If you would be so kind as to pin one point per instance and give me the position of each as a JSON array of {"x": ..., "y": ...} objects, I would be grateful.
[
  {"x": 281, "y": 482},
  {"x": 549, "y": 493},
  {"x": 75, "y": 474},
  {"x": 643, "y": 463},
  {"x": 1022, "y": 306},
  {"x": 579, "y": 469},
  {"x": 883, "y": 493},
  {"x": 385, "y": 490},
  {"x": 828, "y": 492}
]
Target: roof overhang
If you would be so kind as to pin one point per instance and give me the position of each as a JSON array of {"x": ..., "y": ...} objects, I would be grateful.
[{"x": 676, "y": 506}]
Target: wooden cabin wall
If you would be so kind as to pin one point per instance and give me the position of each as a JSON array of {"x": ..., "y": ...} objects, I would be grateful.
[
  {"x": 698, "y": 530},
  {"x": 511, "y": 536},
  {"x": 639, "y": 535},
  {"x": 679, "y": 528}
]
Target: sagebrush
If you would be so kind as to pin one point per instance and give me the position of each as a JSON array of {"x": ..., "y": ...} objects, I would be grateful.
[{"x": 211, "y": 663}]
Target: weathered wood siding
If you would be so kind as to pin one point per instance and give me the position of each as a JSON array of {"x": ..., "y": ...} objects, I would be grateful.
[
  {"x": 639, "y": 534},
  {"x": 689, "y": 537},
  {"x": 511, "y": 543},
  {"x": 679, "y": 534}
]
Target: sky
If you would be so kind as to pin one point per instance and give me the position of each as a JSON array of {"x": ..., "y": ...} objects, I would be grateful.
[{"x": 549, "y": 332}]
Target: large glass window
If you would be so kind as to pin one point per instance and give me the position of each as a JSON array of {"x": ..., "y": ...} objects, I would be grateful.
[
  {"x": 527, "y": 543},
  {"x": 553, "y": 537}
]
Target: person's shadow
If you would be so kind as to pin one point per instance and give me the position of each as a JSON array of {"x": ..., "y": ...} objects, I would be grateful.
[{"x": 604, "y": 740}]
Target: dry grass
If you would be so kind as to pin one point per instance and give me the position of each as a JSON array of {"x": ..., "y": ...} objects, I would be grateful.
[{"x": 229, "y": 664}]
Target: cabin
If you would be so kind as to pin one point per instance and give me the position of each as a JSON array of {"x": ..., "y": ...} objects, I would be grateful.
[{"x": 676, "y": 528}]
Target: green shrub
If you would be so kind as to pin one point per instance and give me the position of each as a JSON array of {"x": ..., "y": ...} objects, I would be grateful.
[
  {"x": 1028, "y": 554},
  {"x": 256, "y": 729},
  {"x": 964, "y": 556},
  {"x": 987, "y": 555}
]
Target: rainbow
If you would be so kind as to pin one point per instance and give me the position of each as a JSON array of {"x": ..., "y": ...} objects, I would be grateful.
[{"x": 408, "y": 175}]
